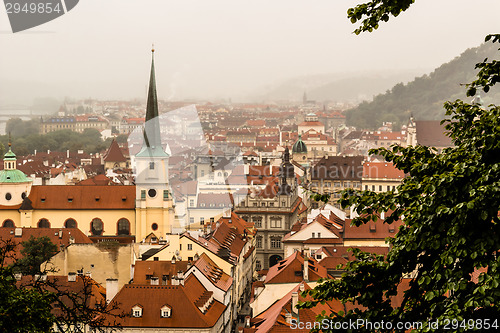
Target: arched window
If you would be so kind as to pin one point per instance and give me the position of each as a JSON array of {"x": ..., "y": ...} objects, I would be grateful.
[
  {"x": 70, "y": 223},
  {"x": 96, "y": 227},
  {"x": 43, "y": 223},
  {"x": 123, "y": 227},
  {"x": 8, "y": 224}
]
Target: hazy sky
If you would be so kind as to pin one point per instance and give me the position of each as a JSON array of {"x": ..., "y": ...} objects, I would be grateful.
[{"x": 226, "y": 48}]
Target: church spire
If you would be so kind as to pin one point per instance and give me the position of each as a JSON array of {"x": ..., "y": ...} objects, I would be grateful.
[{"x": 152, "y": 137}]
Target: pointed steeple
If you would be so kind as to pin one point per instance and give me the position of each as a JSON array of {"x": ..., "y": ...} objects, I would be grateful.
[{"x": 152, "y": 137}]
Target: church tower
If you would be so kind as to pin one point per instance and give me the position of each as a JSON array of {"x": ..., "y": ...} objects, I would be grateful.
[{"x": 154, "y": 204}]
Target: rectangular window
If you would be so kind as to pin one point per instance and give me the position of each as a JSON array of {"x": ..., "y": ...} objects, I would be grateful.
[
  {"x": 212, "y": 220},
  {"x": 191, "y": 202},
  {"x": 190, "y": 247},
  {"x": 319, "y": 234},
  {"x": 380, "y": 188},
  {"x": 191, "y": 220},
  {"x": 202, "y": 220},
  {"x": 313, "y": 235},
  {"x": 275, "y": 223},
  {"x": 151, "y": 165},
  {"x": 275, "y": 243}
]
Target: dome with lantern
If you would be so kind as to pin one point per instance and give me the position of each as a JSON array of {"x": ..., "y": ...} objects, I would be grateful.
[{"x": 14, "y": 184}]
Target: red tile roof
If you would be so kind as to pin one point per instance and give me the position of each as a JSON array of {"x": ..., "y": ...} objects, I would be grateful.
[
  {"x": 157, "y": 269},
  {"x": 96, "y": 180},
  {"x": 182, "y": 300},
  {"x": 60, "y": 237},
  {"x": 274, "y": 318},
  {"x": 291, "y": 269},
  {"x": 371, "y": 230},
  {"x": 432, "y": 133},
  {"x": 382, "y": 170},
  {"x": 62, "y": 197},
  {"x": 210, "y": 269},
  {"x": 114, "y": 153}
]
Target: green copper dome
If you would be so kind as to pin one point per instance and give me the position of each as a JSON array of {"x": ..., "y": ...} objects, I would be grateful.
[
  {"x": 13, "y": 176},
  {"x": 299, "y": 146}
]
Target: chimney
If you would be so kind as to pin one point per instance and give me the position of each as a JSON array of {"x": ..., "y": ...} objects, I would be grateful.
[
  {"x": 71, "y": 277},
  {"x": 18, "y": 276},
  {"x": 295, "y": 301},
  {"x": 382, "y": 215},
  {"x": 247, "y": 321},
  {"x": 18, "y": 232},
  {"x": 111, "y": 289},
  {"x": 60, "y": 233},
  {"x": 67, "y": 153},
  {"x": 306, "y": 269},
  {"x": 155, "y": 281},
  {"x": 288, "y": 318}
]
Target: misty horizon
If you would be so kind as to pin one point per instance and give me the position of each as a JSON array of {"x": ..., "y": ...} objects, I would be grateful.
[{"x": 221, "y": 50}]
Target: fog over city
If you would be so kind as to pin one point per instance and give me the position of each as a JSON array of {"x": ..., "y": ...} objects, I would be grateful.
[{"x": 226, "y": 49}]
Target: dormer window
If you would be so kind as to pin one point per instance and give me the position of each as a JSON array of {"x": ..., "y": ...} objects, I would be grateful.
[
  {"x": 137, "y": 311},
  {"x": 166, "y": 312}
]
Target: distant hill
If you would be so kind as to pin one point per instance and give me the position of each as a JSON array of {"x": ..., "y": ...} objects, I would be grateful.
[
  {"x": 338, "y": 87},
  {"x": 424, "y": 97}
]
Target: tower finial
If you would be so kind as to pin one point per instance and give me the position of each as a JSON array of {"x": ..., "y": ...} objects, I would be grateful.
[
  {"x": 10, "y": 141},
  {"x": 153, "y": 48}
]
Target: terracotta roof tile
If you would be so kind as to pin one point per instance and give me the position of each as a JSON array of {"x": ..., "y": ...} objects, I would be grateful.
[
  {"x": 181, "y": 299},
  {"x": 432, "y": 133},
  {"x": 114, "y": 153},
  {"x": 291, "y": 270},
  {"x": 210, "y": 269},
  {"x": 62, "y": 197},
  {"x": 382, "y": 170}
]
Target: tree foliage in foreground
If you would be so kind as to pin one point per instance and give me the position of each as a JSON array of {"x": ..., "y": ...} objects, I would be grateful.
[
  {"x": 449, "y": 205},
  {"x": 40, "y": 303}
]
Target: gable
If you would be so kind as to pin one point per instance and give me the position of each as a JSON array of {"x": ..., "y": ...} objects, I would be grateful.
[{"x": 306, "y": 232}]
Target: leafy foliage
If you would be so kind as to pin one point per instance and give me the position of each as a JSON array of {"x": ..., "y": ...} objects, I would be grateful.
[
  {"x": 26, "y": 140},
  {"x": 371, "y": 13},
  {"x": 37, "y": 303},
  {"x": 449, "y": 205},
  {"x": 35, "y": 252}
]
